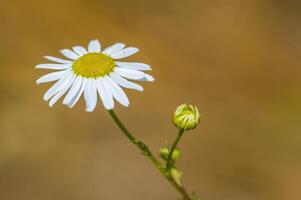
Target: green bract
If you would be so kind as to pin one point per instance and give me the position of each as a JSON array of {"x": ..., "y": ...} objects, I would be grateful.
[{"x": 186, "y": 117}]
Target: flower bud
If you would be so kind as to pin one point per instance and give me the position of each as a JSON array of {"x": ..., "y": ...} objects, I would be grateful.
[
  {"x": 164, "y": 152},
  {"x": 177, "y": 175},
  {"x": 186, "y": 117}
]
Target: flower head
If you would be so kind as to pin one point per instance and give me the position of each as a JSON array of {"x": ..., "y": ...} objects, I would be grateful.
[
  {"x": 93, "y": 72},
  {"x": 186, "y": 117}
]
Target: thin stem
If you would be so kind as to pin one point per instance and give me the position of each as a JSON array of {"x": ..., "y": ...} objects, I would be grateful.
[
  {"x": 145, "y": 151},
  {"x": 172, "y": 149}
]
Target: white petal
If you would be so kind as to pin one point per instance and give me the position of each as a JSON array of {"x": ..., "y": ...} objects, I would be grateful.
[
  {"x": 125, "y": 83},
  {"x": 58, "y": 60},
  {"x": 80, "y": 50},
  {"x": 58, "y": 95},
  {"x": 105, "y": 94},
  {"x": 117, "y": 92},
  {"x": 53, "y": 66},
  {"x": 129, "y": 73},
  {"x": 52, "y": 76},
  {"x": 94, "y": 46},
  {"x": 134, "y": 65},
  {"x": 90, "y": 95},
  {"x": 69, "y": 54},
  {"x": 124, "y": 53},
  {"x": 79, "y": 92},
  {"x": 73, "y": 90},
  {"x": 147, "y": 77},
  {"x": 114, "y": 48},
  {"x": 58, "y": 86}
]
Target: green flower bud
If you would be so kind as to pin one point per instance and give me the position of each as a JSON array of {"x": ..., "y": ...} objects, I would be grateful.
[
  {"x": 176, "y": 175},
  {"x": 165, "y": 151},
  {"x": 186, "y": 117},
  {"x": 176, "y": 154}
]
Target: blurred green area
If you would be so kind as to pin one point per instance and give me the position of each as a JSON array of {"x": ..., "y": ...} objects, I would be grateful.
[{"x": 238, "y": 61}]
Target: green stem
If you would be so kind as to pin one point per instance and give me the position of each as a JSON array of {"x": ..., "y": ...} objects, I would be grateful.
[
  {"x": 172, "y": 149},
  {"x": 145, "y": 151}
]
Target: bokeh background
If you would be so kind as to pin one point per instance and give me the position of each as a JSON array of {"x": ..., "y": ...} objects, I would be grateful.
[{"x": 237, "y": 60}]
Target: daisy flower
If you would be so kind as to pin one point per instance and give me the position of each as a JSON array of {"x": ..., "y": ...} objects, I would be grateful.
[{"x": 93, "y": 72}]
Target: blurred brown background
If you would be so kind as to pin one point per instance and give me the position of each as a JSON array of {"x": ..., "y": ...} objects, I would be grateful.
[{"x": 238, "y": 61}]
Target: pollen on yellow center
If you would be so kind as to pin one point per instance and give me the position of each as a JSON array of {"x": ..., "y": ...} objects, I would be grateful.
[{"x": 93, "y": 65}]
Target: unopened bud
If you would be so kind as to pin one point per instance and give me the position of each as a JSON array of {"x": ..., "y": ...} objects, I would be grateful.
[
  {"x": 186, "y": 117},
  {"x": 164, "y": 152},
  {"x": 177, "y": 175}
]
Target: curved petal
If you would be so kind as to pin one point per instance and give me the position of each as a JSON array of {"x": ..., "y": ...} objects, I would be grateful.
[
  {"x": 133, "y": 65},
  {"x": 53, "y": 66},
  {"x": 73, "y": 90},
  {"x": 94, "y": 46},
  {"x": 52, "y": 76},
  {"x": 69, "y": 54},
  {"x": 124, "y": 53},
  {"x": 114, "y": 48},
  {"x": 90, "y": 95},
  {"x": 58, "y": 86},
  {"x": 129, "y": 73},
  {"x": 104, "y": 94},
  {"x": 147, "y": 77},
  {"x": 78, "y": 93},
  {"x": 80, "y": 50},
  {"x": 117, "y": 92},
  {"x": 57, "y": 60},
  {"x": 58, "y": 95},
  {"x": 125, "y": 83}
]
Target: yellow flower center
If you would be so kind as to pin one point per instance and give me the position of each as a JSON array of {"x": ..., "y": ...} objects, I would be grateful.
[{"x": 93, "y": 65}]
